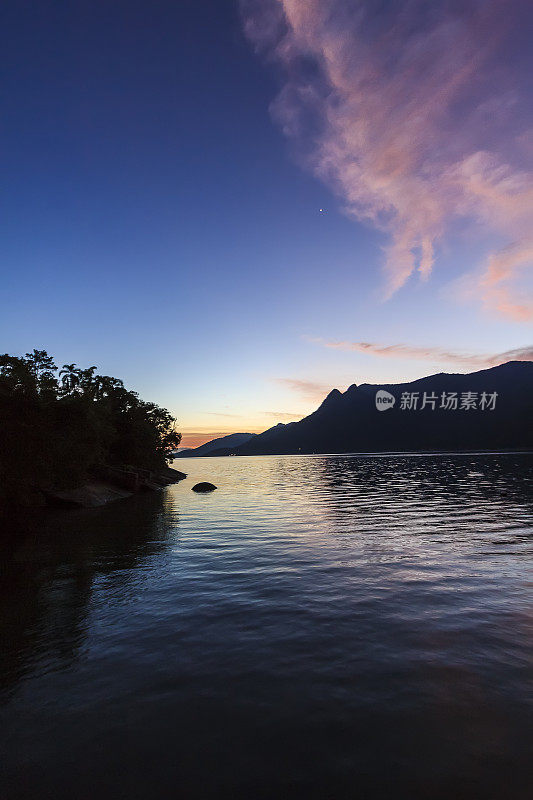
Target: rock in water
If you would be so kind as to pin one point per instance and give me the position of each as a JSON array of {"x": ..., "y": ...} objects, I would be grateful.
[{"x": 203, "y": 487}]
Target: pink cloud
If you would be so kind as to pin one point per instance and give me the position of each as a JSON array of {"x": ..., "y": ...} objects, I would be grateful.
[
  {"x": 434, "y": 354},
  {"x": 310, "y": 390},
  {"x": 409, "y": 115},
  {"x": 286, "y": 415}
]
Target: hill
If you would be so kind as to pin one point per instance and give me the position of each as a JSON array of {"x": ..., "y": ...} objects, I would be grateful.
[
  {"x": 484, "y": 410},
  {"x": 230, "y": 442}
]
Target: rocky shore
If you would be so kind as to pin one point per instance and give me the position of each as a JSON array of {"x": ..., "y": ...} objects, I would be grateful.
[{"x": 112, "y": 483}]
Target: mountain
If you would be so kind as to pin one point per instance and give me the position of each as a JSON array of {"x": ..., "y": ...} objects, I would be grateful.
[
  {"x": 227, "y": 443},
  {"x": 351, "y": 422}
]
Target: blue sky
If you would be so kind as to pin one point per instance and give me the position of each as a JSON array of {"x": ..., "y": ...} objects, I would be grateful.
[{"x": 157, "y": 222}]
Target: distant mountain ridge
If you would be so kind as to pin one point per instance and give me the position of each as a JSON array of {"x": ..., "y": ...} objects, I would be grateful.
[
  {"x": 233, "y": 440},
  {"x": 351, "y": 422}
]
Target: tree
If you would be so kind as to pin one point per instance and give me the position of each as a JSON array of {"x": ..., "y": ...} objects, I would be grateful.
[
  {"x": 86, "y": 381},
  {"x": 70, "y": 377},
  {"x": 60, "y": 427},
  {"x": 42, "y": 367},
  {"x": 16, "y": 375}
]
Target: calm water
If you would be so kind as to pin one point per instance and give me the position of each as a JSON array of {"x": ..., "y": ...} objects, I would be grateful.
[{"x": 320, "y": 627}]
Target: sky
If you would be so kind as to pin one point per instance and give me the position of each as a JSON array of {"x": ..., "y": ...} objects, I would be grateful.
[{"x": 236, "y": 207}]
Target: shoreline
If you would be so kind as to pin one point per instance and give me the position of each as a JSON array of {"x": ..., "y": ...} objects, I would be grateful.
[
  {"x": 105, "y": 485},
  {"x": 364, "y": 453},
  {"x": 104, "y": 489},
  {"x": 111, "y": 484}
]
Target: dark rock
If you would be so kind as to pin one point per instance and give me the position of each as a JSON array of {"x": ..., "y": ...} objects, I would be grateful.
[
  {"x": 122, "y": 477},
  {"x": 148, "y": 486},
  {"x": 203, "y": 487},
  {"x": 114, "y": 483},
  {"x": 90, "y": 495},
  {"x": 174, "y": 475},
  {"x": 161, "y": 480}
]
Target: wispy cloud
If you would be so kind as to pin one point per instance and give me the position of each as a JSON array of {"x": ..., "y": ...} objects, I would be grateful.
[
  {"x": 222, "y": 414},
  {"x": 413, "y": 113},
  {"x": 435, "y": 354},
  {"x": 309, "y": 390},
  {"x": 282, "y": 415}
]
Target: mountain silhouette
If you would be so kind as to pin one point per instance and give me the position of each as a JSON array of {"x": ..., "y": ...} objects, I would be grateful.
[
  {"x": 350, "y": 421},
  {"x": 233, "y": 440}
]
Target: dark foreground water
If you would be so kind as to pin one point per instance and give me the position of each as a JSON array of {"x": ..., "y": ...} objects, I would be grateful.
[{"x": 320, "y": 627}]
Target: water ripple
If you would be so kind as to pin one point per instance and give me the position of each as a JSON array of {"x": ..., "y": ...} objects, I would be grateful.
[{"x": 329, "y": 627}]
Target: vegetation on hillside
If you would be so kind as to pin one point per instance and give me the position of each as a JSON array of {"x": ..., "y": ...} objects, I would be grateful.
[{"x": 59, "y": 426}]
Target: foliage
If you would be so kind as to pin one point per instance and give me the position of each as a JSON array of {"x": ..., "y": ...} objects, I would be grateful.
[{"x": 58, "y": 426}]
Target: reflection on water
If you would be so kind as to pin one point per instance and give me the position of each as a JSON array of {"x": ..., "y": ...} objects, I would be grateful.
[
  {"x": 48, "y": 581},
  {"x": 329, "y": 627}
]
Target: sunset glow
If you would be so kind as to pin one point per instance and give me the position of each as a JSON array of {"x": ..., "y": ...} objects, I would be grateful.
[{"x": 337, "y": 192}]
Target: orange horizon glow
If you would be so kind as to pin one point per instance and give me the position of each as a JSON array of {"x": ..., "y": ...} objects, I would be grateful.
[{"x": 197, "y": 438}]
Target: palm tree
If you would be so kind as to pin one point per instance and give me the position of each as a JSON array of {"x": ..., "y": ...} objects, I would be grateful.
[
  {"x": 70, "y": 377},
  {"x": 86, "y": 381}
]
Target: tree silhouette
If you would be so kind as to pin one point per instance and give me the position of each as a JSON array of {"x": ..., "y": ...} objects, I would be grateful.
[
  {"x": 70, "y": 377},
  {"x": 59, "y": 427}
]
